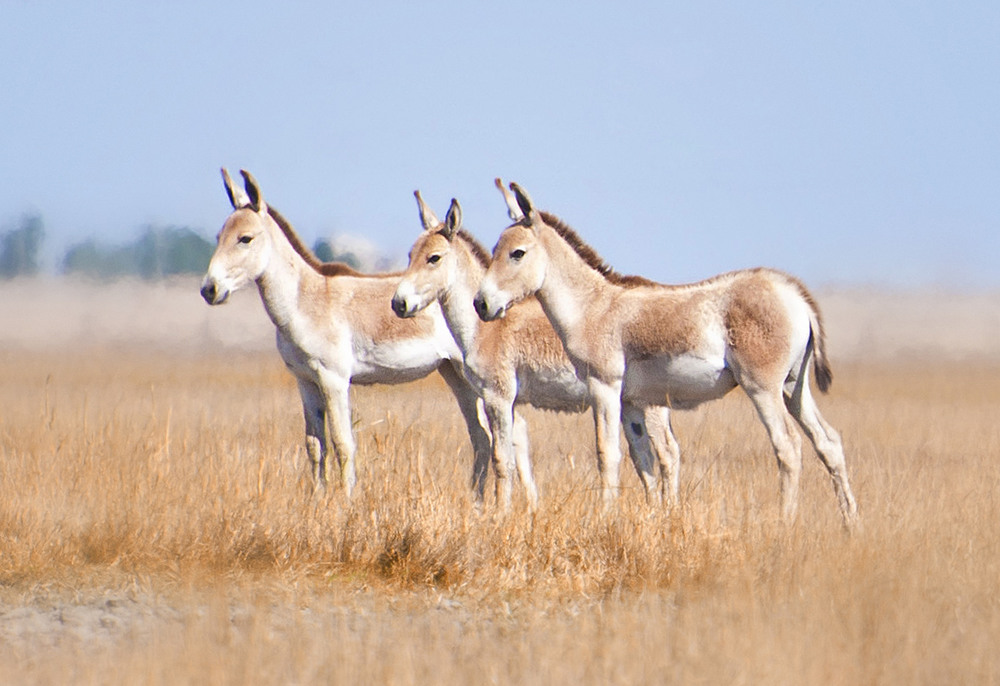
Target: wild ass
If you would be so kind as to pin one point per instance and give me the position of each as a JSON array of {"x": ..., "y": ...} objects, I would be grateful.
[
  {"x": 333, "y": 328},
  {"x": 641, "y": 342},
  {"x": 513, "y": 361}
]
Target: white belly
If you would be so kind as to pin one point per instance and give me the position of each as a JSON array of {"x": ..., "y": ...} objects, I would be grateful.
[
  {"x": 553, "y": 389},
  {"x": 683, "y": 382},
  {"x": 397, "y": 362}
]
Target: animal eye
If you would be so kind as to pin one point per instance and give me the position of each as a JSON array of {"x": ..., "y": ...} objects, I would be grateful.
[
  {"x": 516, "y": 254},
  {"x": 245, "y": 239},
  {"x": 433, "y": 259}
]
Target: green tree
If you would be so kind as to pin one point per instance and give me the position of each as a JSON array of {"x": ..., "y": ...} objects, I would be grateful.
[{"x": 19, "y": 248}]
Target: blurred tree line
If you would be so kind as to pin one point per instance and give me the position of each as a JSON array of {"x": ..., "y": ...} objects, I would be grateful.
[
  {"x": 19, "y": 247},
  {"x": 158, "y": 252}
]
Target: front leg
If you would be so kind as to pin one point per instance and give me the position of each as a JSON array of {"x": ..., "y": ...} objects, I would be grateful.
[
  {"x": 314, "y": 410},
  {"x": 336, "y": 391},
  {"x": 640, "y": 449},
  {"x": 468, "y": 404},
  {"x": 522, "y": 457},
  {"x": 501, "y": 418},
  {"x": 606, "y": 398},
  {"x": 666, "y": 449}
]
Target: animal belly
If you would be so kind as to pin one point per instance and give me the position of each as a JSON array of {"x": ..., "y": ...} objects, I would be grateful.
[
  {"x": 557, "y": 389},
  {"x": 397, "y": 362},
  {"x": 682, "y": 382}
]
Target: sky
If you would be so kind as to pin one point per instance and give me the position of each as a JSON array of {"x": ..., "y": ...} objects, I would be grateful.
[{"x": 849, "y": 143}]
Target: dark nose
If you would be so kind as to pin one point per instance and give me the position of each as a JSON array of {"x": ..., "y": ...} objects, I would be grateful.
[
  {"x": 399, "y": 307},
  {"x": 208, "y": 292},
  {"x": 480, "y": 304}
]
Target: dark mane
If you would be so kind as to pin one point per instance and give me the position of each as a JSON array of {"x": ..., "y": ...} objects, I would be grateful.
[
  {"x": 476, "y": 248},
  {"x": 324, "y": 268},
  {"x": 590, "y": 256}
]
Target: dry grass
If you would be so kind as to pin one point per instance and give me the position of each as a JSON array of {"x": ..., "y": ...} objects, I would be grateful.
[{"x": 156, "y": 526}]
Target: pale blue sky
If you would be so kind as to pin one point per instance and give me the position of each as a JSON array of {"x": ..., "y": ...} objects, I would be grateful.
[{"x": 848, "y": 142}]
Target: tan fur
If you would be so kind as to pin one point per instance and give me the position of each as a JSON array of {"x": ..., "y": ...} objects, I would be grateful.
[
  {"x": 757, "y": 325},
  {"x": 514, "y": 360},
  {"x": 635, "y": 339},
  {"x": 334, "y": 326}
]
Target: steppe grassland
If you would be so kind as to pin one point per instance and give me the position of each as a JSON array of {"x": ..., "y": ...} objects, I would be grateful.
[{"x": 174, "y": 485}]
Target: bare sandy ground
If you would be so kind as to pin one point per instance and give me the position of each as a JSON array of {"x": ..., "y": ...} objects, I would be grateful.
[{"x": 171, "y": 316}]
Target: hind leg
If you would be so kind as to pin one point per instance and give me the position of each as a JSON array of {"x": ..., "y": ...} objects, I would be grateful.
[
  {"x": 786, "y": 442},
  {"x": 826, "y": 441}
]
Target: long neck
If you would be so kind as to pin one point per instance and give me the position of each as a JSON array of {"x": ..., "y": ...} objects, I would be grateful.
[
  {"x": 456, "y": 304},
  {"x": 281, "y": 281},
  {"x": 571, "y": 288}
]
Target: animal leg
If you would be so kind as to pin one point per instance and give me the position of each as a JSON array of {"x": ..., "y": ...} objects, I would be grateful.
[
  {"x": 501, "y": 416},
  {"x": 607, "y": 424},
  {"x": 341, "y": 433},
  {"x": 640, "y": 449},
  {"x": 786, "y": 443},
  {"x": 467, "y": 404},
  {"x": 522, "y": 457},
  {"x": 826, "y": 441},
  {"x": 661, "y": 434},
  {"x": 314, "y": 410}
]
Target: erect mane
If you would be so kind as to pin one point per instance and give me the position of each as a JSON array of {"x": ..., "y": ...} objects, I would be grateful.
[
  {"x": 324, "y": 268},
  {"x": 476, "y": 248},
  {"x": 590, "y": 256}
]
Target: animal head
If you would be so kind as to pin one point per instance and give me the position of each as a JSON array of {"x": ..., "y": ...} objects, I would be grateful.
[
  {"x": 519, "y": 259},
  {"x": 431, "y": 270},
  {"x": 244, "y": 243}
]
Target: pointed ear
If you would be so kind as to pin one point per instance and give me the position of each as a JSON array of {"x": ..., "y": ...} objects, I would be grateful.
[
  {"x": 524, "y": 202},
  {"x": 256, "y": 203},
  {"x": 513, "y": 211},
  {"x": 428, "y": 219},
  {"x": 237, "y": 197},
  {"x": 453, "y": 220}
]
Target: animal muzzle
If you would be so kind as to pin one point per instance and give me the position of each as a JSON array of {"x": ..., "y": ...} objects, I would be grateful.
[
  {"x": 400, "y": 308},
  {"x": 483, "y": 309},
  {"x": 212, "y": 294}
]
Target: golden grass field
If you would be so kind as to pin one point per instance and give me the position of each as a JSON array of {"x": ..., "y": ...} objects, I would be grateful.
[{"x": 156, "y": 526}]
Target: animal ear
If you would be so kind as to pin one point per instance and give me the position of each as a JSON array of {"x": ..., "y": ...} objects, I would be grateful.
[
  {"x": 524, "y": 202},
  {"x": 256, "y": 203},
  {"x": 427, "y": 216},
  {"x": 237, "y": 197},
  {"x": 453, "y": 220},
  {"x": 513, "y": 211}
]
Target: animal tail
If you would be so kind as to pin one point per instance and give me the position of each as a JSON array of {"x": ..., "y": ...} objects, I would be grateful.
[{"x": 821, "y": 364}]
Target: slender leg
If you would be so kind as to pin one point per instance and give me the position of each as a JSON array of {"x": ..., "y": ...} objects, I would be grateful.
[
  {"x": 826, "y": 441},
  {"x": 337, "y": 393},
  {"x": 467, "y": 404},
  {"x": 786, "y": 443},
  {"x": 607, "y": 424},
  {"x": 522, "y": 457},
  {"x": 640, "y": 449},
  {"x": 669, "y": 453},
  {"x": 501, "y": 416},
  {"x": 314, "y": 410}
]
